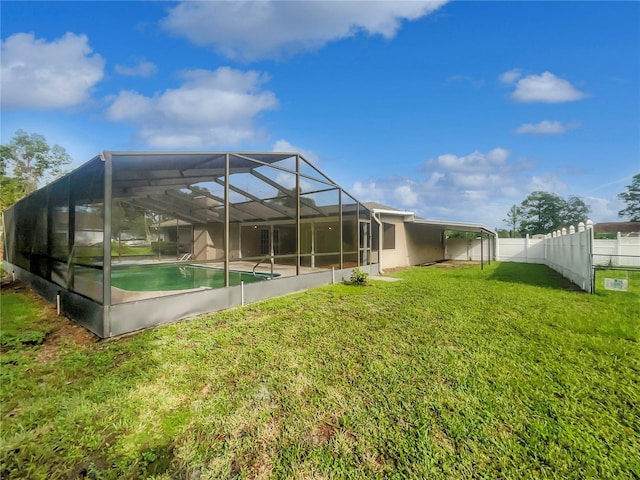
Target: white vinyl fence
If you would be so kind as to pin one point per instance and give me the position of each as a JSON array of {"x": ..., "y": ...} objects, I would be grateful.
[
  {"x": 566, "y": 251},
  {"x": 571, "y": 253},
  {"x": 622, "y": 251},
  {"x": 465, "y": 249},
  {"x": 524, "y": 250}
]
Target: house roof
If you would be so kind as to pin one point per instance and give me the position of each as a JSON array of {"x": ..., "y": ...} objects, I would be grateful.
[
  {"x": 615, "y": 227},
  {"x": 378, "y": 206},
  {"x": 410, "y": 217}
]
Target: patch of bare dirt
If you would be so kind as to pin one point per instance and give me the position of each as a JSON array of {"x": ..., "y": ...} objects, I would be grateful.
[
  {"x": 453, "y": 264},
  {"x": 66, "y": 331},
  {"x": 62, "y": 328},
  {"x": 395, "y": 269},
  {"x": 441, "y": 439},
  {"x": 322, "y": 434}
]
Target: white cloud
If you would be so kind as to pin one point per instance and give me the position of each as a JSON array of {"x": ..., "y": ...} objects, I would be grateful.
[
  {"x": 284, "y": 146},
  {"x": 545, "y": 88},
  {"x": 546, "y": 127},
  {"x": 142, "y": 69},
  {"x": 404, "y": 196},
  {"x": 369, "y": 191},
  {"x": 210, "y": 108},
  {"x": 43, "y": 75},
  {"x": 547, "y": 182},
  {"x": 474, "y": 161},
  {"x": 434, "y": 178},
  {"x": 476, "y": 180},
  {"x": 477, "y": 187},
  {"x": 604, "y": 209},
  {"x": 251, "y": 30},
  {"x": 511, "y": 76}
]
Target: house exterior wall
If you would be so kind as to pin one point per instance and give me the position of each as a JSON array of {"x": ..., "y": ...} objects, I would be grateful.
[
  {"x": 251, "y": 241},
  {"x": 415, "y": 244},
  {"x": 202, "y": 243},
  {"x": 399, "y": 256},
  {"x": 424, "y": 244}
]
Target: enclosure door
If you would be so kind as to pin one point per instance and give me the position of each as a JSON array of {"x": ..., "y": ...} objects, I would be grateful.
[{"x": 364, "y": 235}]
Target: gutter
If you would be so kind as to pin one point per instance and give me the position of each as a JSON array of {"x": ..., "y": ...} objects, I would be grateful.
[
  {"x": 375, "y": 214},
  {"x": 377, "y": 220},
  {"x": 410, "y": 215}
]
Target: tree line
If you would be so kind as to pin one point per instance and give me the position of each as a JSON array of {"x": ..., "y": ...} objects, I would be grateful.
[
  {"x": 543, "y": 212},
  {"x": 26, "y": 163}
]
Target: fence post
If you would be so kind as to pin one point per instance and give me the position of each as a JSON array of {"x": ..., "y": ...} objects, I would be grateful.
[
  {"x": 572, "y": 229},
  {"x": 618, "y": 247},
  {"x": 592, "y": 275},
  {"x": 526, "y": 248},
  {"x": 581, "y": 227}
]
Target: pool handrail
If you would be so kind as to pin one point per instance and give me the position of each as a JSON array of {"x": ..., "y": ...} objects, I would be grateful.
[{"x": 259, "y": 262}]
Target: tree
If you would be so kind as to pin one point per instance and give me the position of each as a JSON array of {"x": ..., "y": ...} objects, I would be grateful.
[
  {"x": 12, "y": 188},
  {"x": 541, "y": 213},
  {"x": 544, "y": 212},
  {"x": 513, "y": 219},
  {"x": 575, "y": 211},
  {"x": 31, "y": 161},
  {"x": 632, "y": 199},
  {"x": 504, "y": 233}
]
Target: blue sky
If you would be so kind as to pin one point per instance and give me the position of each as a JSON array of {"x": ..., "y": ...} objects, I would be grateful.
[{"x": 453, "y": 110}]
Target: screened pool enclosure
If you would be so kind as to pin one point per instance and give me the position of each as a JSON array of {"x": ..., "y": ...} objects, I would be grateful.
[{"x": 135, "y": 239}]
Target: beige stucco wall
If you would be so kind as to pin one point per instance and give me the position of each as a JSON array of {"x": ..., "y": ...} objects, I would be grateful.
[
  {"x": 202, "y": 243},
  {"x": 251, "y": 241},
  {"x": 424, "y": 243},
  {"x": 209, "y": 241},
  {"x": 415, "y": 244},
  {"x": 398, "y": 257}
]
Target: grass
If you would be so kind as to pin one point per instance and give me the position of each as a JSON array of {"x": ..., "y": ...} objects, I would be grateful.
[
  {"x": 450, "y": 373},
  {"x": 21, "y": 323},
  {"x": 116, "y": 250}
]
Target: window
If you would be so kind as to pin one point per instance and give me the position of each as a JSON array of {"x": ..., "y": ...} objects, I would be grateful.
[
  {"x": 264, "y": 241},
  {"x": 388, "y": 236}
]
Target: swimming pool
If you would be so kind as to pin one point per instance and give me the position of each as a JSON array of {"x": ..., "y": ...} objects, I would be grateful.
[{"x": 177, "y": 277}]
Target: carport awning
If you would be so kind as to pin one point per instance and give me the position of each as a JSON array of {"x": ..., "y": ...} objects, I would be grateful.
[{"x": 459, "y": 226}]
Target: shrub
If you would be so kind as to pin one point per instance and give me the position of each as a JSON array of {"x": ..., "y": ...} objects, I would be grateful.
[{"x": 358, "y": 277}]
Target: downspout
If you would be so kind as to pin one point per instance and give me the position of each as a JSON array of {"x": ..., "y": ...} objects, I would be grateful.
[{"x": 379, "y": 222}]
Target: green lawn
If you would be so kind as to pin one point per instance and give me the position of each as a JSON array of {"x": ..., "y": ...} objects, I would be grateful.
[{"x": 450, "y": 373}]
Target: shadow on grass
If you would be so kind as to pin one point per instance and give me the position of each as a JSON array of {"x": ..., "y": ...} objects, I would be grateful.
[{"x": 531, "y": 274}]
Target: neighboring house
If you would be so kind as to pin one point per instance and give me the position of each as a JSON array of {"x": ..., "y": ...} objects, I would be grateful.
[
  {"x": 407, "y": 240},
  {"x": 626, "y": 229}
]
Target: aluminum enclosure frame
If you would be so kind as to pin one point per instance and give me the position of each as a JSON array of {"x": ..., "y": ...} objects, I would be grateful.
[{"x": 158, "y": 173}]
